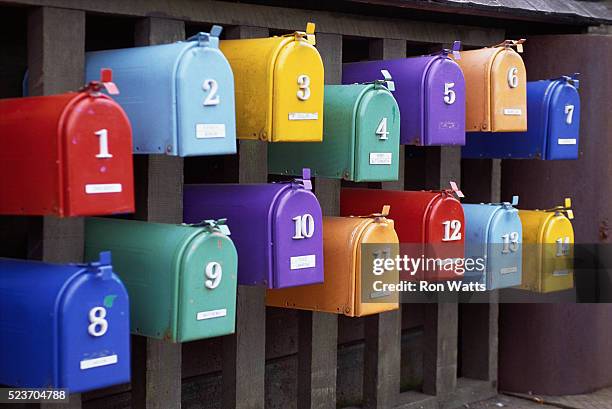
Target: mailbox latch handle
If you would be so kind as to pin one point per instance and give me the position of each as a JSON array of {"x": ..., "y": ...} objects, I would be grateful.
[
  {"x": 208, "y": 39},
  {"x": 513, "y": 43},
  {"x": 105, "y": 83},
  {"x": 565, "y": 208}
]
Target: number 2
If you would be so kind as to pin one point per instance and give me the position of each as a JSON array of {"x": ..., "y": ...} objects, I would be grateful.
[
  {"x": 212, "y": 98},
  {"x": 97, "y": 322},
  {"x": 569, "y": 112},
  {"x": 449, "y": 94},
  {"x": 453, "y": 235},
  {"x": 513, "y": 80},
  {"x": 304, "y": 226},
  {"x": 103, "y": 141},
  {"x": 381, "y": 131},
  {"x": 213, "y": 273},
  {"x": 303, "y": 92}
]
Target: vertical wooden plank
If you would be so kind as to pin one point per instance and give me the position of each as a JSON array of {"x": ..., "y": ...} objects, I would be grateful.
[
  {"x": 56, "y": 60},
  {"x": 382, "y": 355},
  {"x": 244, "y": 353},
  {"x": 156, "y": 364},
  {"x": 318, "y": 332}
]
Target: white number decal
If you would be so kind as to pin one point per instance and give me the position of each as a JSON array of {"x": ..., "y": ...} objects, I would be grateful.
[
  {"x": 213, "y": 273},
  {"x": 453, "y": 235},
  {"x": 449, "y": 93},
  {"x": 98, "y": 324},
  {"x": 511, "y": 242},
  {"x": 303, "y": 92},
  {"x": 381, "y": 131},
  {"x": 513, "y": 77},
  {"x": 563, "y": 244},
  {"x": 103, "y": 139},
  {"x": 212, "y": 98},
  {"x": 304, "y": 226},
  {"x": 569, "y": 112}
]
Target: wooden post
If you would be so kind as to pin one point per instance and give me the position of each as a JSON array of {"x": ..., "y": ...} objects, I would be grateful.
[
  {"x": 318, "y": 331},
  {"x": 383, "y": 334},
  {"x": 56, "y": 63},
  {"x": 156, "y": 364},
  {"x": 244, "y": 353}
]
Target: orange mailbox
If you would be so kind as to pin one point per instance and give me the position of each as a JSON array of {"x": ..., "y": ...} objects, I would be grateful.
[
  {"x": 351, "y": 285},
  {"x": 496, "y": 88}
]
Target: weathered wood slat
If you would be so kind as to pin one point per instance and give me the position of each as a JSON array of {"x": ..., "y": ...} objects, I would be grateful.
[
  {"x": 228, "y": 13},
  {"x": 156, "y": 364}
]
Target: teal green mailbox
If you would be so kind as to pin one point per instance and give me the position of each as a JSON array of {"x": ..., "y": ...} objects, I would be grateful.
[
  {"x": 361, "y": 134},
  {"x": 181, "y": 279}
]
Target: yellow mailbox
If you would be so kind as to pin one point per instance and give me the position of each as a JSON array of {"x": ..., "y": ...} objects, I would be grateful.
[
  {"x": 495, "y": 88},
  {"x": 279, "y": 87},
  {"x": 351, "y": 285},
  {"x": 548, "y": 253}
]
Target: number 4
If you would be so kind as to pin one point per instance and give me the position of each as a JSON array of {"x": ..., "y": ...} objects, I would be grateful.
[{"x": 381, "y": 131}]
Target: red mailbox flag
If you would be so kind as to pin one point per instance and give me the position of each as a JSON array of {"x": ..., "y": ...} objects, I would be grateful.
[{"x": 67, "y": 155}]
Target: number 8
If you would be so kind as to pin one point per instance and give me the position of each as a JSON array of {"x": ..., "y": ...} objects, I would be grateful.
[
  {"x": 98, "y": 324},
  {"x": 303, "y": 92}
]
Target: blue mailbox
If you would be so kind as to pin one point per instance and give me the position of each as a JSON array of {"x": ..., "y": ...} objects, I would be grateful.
[
  {"x": 179, "y": 97},
  {"x": 63, "y": 326},
  {"x": 553, "y": 125},
  {"x": 494, "y": 234}
]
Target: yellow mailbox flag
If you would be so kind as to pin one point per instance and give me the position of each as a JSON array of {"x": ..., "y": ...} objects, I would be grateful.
[{"x": 279, "y": 87}]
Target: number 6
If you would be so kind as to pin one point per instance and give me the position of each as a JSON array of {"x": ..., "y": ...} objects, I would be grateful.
[{"x": 513, "y": 77}]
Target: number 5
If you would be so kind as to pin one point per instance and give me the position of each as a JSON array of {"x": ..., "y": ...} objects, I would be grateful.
[{"x": 449, "y": 93}]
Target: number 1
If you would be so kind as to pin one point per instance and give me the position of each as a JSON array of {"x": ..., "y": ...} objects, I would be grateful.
[{"x": 103, "y": 138}]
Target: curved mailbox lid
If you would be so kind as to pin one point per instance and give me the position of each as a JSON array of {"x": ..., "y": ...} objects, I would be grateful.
[
  {"x": 97, "y": 150},
  {"x": 377, "y": 133},
  {"x": 508, "y": 101},
  {"x": 206, "y": 112},
  {"x": 158, "y": 81},
  {"x": 55, "y": 302},
  {"x": 444, "y": 103},
  {"x": 477, "y": 225},
  {"x": 208, "y": 282},
  {"x": 563, "y": 130}
]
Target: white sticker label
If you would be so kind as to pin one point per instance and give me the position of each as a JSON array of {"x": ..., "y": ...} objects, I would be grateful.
[
  {"x": 560, "y": 273},
  {"x": 206, "y": 131},
  {"x": 103, "y": 188},
  {"x": 300, "y": 262},
  {"x": 303, "y": 116},
  {"x": 206, "y": 315},
  {"x": 380, "y": 158},
  {"x": 513, "y": 111},
  {"x": 96, "y": 362},
  {"x": 379, "y": 294},
  {"x": 508, "y": 270},
  {"x": 566, "y": 141}
]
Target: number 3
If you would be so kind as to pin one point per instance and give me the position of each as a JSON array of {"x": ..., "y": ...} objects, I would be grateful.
[
  {"x": 303, "y": 92},
  {"x": 449, "y": 93}
]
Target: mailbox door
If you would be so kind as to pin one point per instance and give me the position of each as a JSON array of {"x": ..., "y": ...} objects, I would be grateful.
[
  {"x": 557, "y": 271},
  {"x": 297, "y": 103},
  {"x": 444, "y": 104},
  {"x": 94, "y": 333},
  {"x": 377, "y": 240},
  {"x": 377, "y": 133},
  {"x": 508, "y": 92},
  {"x": 563, "y": 123},
  {"x": 504, "y": 254},
  {"x": 205, "y": 103},
  {"x": 207, "y": 287},
  {"x": 297, "y": 238},
  {"x": 445, "y": 233},
  {"x": 97, "y": 158},
  {"x": 477, "y": 219}
]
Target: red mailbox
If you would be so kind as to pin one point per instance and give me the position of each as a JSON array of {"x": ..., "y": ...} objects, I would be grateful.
[
  {"x": 67, "y": 155},
  {"x": 429, "y": 224}
]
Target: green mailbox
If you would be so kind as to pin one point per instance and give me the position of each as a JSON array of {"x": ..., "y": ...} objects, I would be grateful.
[
  {"x": 361, "y": 135},
  {"x": 181, "y": 279}
]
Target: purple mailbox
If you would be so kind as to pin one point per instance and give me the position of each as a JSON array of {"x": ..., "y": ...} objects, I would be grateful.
[
  {"x": 430, "y": 92},
  {"x": 276, "y": 228}
]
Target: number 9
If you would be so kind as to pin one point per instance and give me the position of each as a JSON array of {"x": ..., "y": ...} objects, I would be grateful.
[{"x": 213, "y": 272}]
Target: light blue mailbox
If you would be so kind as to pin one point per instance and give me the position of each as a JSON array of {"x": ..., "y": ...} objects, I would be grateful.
[
  {"x": 494, "y": 234},
  {"x": 63, "y": 326},
  {"x": 179, "y": 97},
  {"x": 553, "y": 126}
]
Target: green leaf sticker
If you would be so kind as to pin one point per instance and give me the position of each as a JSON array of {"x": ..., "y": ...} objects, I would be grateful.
[{"x": 109, "y": 300}]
